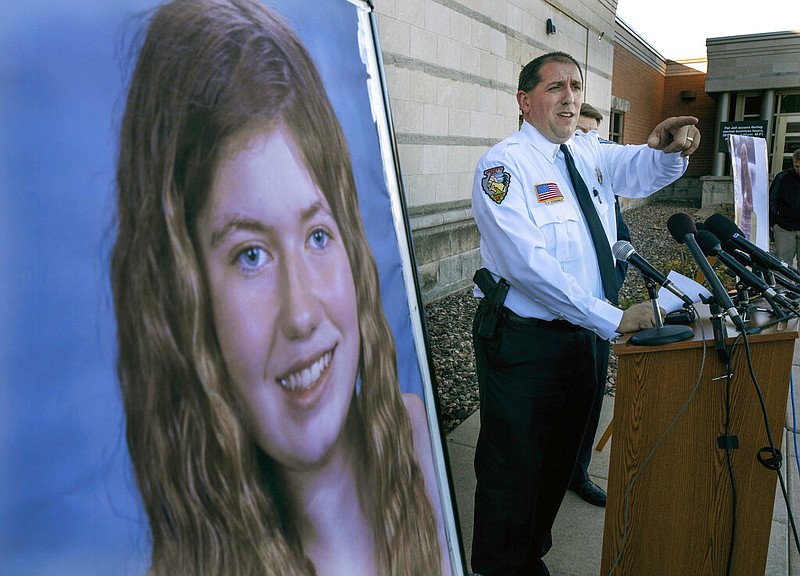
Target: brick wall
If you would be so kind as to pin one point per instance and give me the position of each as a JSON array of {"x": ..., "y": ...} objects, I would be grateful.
[
  {"x": 702, "y": 106},
  {"x": 643, "y": 87}
]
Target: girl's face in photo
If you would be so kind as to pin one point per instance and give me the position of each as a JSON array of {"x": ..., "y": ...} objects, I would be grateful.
[{"x": 283, "y": 298}]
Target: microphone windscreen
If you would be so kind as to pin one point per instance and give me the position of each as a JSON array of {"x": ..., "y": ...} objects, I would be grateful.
[
  {"x": 721, "y": 227},
  {"x": 681, "y": 224},
  {"x": 707, "y": 241},
  {"x": 622, "y": 249}
]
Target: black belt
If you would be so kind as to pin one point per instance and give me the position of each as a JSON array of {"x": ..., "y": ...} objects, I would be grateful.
[{"x": 556, "y": 324}]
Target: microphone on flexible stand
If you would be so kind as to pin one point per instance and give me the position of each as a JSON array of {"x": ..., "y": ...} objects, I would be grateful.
[
  {"x": 730, "y": 235},
  {"x": 789, "y": 287},
  {"x": 710, "y": 246},
  {"x": 661, "y": 334},
  {"x": 683, "y": 229},
  {"x": 623, "y": 250},
  {"x": 769, "y": 276}
]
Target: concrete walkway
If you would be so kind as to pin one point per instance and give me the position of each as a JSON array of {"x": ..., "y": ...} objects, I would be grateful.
[{"x": 578, "y": 531}]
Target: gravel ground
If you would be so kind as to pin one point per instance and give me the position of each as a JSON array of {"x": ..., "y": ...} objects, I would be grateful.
[{"x": 449, "y": 320}]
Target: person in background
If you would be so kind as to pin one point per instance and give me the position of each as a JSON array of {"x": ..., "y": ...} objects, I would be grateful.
[
  {"x": 548, "y": 291},
  {"x": 590, "y": 119},
  {"x": 265, "y": 421},
  {"x": 784, "y": 211}
]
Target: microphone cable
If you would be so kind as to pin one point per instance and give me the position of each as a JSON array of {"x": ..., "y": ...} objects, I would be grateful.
[
  {"x": 794, "y": 425},
  {"x": 729, "y": 442}
]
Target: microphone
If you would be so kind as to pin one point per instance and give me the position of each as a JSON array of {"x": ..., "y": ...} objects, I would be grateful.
[
  {"x": 683, "y": 229},
  {"x": 710, "y": 246},
  {"x": 623, "y": 250},
  {"x": 729, "y": 233},
  {"x": 767, "y": 274}
]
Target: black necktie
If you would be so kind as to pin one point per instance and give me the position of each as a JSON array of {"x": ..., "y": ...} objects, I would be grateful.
[{"x": 604, "y": 259}]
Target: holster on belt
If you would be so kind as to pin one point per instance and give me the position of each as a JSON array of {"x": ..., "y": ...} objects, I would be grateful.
[{"x": 495, "y": 295}]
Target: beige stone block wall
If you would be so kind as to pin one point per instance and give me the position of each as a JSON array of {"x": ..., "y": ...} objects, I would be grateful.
[{"x": 766, "y": 61}]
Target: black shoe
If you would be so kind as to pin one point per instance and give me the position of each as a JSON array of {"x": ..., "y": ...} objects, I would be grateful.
[{"x": 591, "y": 493}]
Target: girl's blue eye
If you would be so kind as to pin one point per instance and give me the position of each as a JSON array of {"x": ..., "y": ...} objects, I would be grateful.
[
  {"x": 319, "y": 238},
  {"x": 251, "y": 258}
]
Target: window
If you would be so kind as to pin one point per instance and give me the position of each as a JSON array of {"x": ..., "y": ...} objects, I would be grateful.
[
  {"x": 615, "y": 126},
  {"x": 748, "y": 106},
  {"x": 789, "y": 103}
]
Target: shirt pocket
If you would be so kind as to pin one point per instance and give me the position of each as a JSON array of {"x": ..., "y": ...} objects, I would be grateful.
[
  {"x": 561, "y": 226},
  {"x": 603, "y": 201}
]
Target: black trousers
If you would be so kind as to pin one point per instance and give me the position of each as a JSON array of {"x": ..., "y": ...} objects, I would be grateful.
[
  {"x": 581, "y": 473},
  {"x": 537, "y": 386}
]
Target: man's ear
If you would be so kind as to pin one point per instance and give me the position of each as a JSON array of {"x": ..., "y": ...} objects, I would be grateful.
[{"x": 523, "y": 101}]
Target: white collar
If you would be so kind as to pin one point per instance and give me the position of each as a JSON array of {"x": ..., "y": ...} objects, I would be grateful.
[{"x": 545, "y": 147}]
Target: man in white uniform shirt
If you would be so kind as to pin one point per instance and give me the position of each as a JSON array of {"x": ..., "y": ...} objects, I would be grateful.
[{"x": 535, "y": 344}]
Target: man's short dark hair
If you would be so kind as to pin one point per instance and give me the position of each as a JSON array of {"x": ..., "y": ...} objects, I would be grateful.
[
  {"x": 529, "y": 77},
  {"x": 591, "y": 112}
]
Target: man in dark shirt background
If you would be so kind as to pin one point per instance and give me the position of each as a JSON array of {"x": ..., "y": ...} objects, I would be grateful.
[{"x": 784, "y": 211}]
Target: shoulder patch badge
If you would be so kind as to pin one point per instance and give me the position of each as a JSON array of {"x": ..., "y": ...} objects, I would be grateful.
[
  {"x": 548, "y": 193},
  {"x": 495, "y": 183}
]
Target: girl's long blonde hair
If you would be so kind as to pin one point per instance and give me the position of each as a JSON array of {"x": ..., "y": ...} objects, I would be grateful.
[{"x": 208, "y": 70}]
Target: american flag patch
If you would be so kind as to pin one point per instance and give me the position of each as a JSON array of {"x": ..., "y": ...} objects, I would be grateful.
[{"x": 548, "y": 192}]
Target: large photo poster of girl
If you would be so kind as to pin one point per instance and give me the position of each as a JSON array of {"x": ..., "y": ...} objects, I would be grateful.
[
  {"x": 240, "y": 383},
  {"x": 750, "y": 187}
]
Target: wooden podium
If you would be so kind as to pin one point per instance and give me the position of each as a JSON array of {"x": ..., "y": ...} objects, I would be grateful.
[{"x": 680, "y": 505}]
